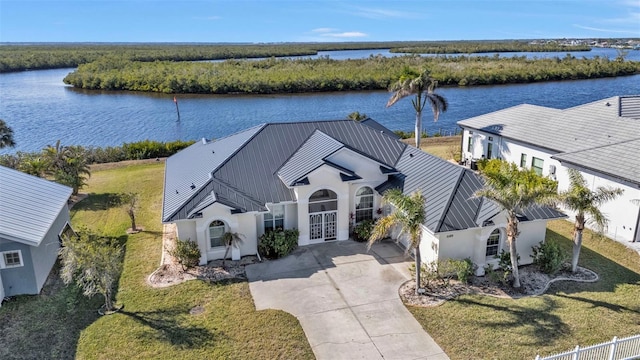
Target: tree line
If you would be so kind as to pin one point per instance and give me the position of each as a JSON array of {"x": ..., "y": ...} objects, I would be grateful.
[
  {"x": 315, "y": 75},
  {"x": 52, "y": 56},
  {"x": 473, "y": 47}
]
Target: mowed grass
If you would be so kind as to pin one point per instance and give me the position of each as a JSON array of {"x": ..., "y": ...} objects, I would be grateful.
[
  {"x": 569, "y": 314},
  {"x": 441, "y": 146},
  {"x": 154, "y": 323}
]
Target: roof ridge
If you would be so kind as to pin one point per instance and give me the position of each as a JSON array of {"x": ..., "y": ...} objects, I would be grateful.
[
  {"x": 597, "y": 146},
  {"x": 303, "y": 144},
  {"x": 449, "y": 200}
]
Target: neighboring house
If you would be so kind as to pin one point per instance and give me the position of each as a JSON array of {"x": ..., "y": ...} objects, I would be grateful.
[
  {"x": 321, "y": 178},
  {"x": 600, "y": 139},
  {"x": 33, "y": 216}
]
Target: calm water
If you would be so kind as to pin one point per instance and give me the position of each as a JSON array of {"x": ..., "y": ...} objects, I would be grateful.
[{"x": 41, "y": 109}]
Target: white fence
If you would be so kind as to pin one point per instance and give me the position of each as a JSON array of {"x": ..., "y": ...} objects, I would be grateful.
[{"x": 616, "y": 349}]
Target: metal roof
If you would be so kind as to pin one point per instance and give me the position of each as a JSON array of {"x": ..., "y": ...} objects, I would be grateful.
[
  {"x": 29, "y": 206},
  {"x": 308, "y": 157},
  {"x": 247, "y": 164},
  {"x": 621, "y": 160},
  {"x": 194, "y": 165},
  {"x": 611, "y": 125}
]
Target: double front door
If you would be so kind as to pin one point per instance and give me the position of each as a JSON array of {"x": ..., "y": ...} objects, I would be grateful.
[{"x": 323, "y": 226}]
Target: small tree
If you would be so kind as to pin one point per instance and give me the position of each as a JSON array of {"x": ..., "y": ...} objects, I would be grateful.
[
  {"x": 131, "y": 202},
  {"x": 409, "y": 214},
  {"x": 230, "y": 239},
  {"x": 94, "y": 262},
  {"x": 357, "y": 116},
  {"x": 586, "y": 204}
]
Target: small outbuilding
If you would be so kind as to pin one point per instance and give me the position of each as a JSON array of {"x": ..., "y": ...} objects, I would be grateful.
[{"x": 33, "y": 216}]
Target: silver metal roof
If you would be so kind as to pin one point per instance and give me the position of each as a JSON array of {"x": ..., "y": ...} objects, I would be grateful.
[
  {"x": 308, "y": 157},
  {"x": 611, "y": 125},
  {"x": 29, "y": 205}
]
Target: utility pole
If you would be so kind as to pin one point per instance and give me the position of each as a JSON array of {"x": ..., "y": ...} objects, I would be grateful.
[{"x": 177, "y": 109}]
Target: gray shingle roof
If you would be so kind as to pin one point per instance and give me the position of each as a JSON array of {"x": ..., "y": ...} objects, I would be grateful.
[
  {"x": 611, "y": 125},
  {"x": 28, "y": 206}
]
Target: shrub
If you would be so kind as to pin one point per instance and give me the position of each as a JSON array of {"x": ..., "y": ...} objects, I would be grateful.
[
  {"x": 505, "y": 265},
  {"x": 187, "y": 253},
  {"x": 278, "y": 243},
  {"x": 444, "y": 271},
  {"x": 464, "y": 269},
  {"x": 549, "y": 257},
  {"x": 362, "y": 231}
]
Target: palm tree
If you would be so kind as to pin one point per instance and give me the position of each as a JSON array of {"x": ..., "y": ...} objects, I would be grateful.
[
  {"x": 6, "y": 135},
  {"x": 422, "y": 85},
  {"x": 515, "y": 190},
  {"x": 585, "y": 203},
  {"x": 230, "y": 239},
  {"x": 409, "y": 214},
  {"x": 357, "y": 116}
]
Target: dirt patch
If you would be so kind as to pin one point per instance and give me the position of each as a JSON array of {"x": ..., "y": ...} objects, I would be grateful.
[{"x": 533, "y": 282}]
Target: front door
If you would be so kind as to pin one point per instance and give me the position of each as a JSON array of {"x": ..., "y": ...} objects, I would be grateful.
[
  {"x": 323, "y": 225},
  {"x": 323, "y": 216}
]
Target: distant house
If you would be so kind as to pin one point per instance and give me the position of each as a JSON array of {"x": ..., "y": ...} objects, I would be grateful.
[
  {"x": 33, "y": 216},
  {"x": 322, "y": 177},
  {"x": 601, "y": 139}
]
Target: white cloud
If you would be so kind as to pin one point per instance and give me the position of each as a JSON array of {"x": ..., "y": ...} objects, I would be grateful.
[
  {"x": 614, "y": 31},
  {"x": 324, "y": 30},
  {"x": 346, "y": 34},
  {"x": 633, "y": 18},
  {"x": 376, "y": 13}
]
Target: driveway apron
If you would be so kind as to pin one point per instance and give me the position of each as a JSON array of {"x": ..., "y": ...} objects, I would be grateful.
[{"x": 346, "y": 299}]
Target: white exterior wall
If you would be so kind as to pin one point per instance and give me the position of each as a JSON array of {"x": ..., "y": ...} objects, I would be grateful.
[
  {"x": 198, "y": 230},
  {"x": 622, "y": 214},
  {"x": 324, "y": 177}
]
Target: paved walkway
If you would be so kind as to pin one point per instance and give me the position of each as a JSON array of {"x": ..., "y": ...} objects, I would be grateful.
[{"x": 346, "y": 300}]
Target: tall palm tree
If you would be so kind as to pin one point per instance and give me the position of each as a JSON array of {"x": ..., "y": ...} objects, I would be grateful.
[
  {"x": 585, "y": 203},
  {"x": 409, "y": 214},
  {"x": 6, "y": 135},
  {"x": 515, "y": 190},
  {"x": 422, "y": 86}
]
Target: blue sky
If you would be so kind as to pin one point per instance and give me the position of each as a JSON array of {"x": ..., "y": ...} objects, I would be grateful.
[{"x": 317, "y": 20}]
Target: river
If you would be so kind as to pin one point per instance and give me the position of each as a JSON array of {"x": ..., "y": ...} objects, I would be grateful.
[{"x": 41, "y": 109}]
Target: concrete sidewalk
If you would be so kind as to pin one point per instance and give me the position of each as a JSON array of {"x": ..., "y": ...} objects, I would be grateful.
[{"x": 346, "y": 300}]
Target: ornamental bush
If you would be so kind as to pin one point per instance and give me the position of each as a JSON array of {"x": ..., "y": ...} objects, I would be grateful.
[
  {"x": 278, "y": 243},
  {"x": 362, "y": 231},
  {"x": 549, "y": 257},
  {"x": 187, "y": 253}
]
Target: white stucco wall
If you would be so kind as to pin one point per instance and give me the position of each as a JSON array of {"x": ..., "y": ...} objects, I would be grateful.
[{"x": 622, "y": 214}]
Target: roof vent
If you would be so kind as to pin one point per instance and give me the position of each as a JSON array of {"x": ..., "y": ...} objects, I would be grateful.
[
  {"x": 193, "y": 186},
  {"x": 607, "y": 104},
  {"x": 204, "y": 141},
  {"x": 410, "y": 155},
  {"x": 176, "y": 191}
]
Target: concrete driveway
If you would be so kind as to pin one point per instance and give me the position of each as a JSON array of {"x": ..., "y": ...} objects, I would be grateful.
[{"x": 346, "y": 300}]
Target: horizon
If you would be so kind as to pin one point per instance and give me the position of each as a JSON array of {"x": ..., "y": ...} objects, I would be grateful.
[{"x": 319, "y": 21}]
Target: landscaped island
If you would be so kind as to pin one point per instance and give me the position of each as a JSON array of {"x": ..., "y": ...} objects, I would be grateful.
[{"x": 316, "y": 75}]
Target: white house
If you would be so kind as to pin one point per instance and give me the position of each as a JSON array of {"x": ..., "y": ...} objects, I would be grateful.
[
  {"x": 601, "y": 139},
  {"x": 321, "y": 177},
  {"x": 33, "y": 217}
]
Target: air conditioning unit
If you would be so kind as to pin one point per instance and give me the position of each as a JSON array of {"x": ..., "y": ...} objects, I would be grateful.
[{"x": 552, "y": 169}]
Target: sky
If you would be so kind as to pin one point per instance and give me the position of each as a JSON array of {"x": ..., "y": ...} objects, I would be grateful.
[{"x": 265, "y": 21}]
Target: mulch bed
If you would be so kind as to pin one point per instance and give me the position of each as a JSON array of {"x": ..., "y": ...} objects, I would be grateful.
[{"x": 533, "y": 282}]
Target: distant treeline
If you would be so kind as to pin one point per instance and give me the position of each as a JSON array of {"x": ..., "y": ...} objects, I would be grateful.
[
  {"x": 311, "y": 75},
  {"x": 52, "y": 56},
  {"x": 472, "y": 47},
  {"x": 34, "y": 163}
]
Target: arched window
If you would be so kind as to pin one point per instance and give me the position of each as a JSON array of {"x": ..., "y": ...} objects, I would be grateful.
[
  {"x": 364, "y": 204},
  {"x": 216, "y": 230},
  {"x": 493, "y": 243},
  {"x": 323, "y": 200}
]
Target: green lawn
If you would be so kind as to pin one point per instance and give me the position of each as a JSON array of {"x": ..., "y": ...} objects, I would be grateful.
[
  {"x": 482, "y": 327},
  {"x": 155, "y": 323}
]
